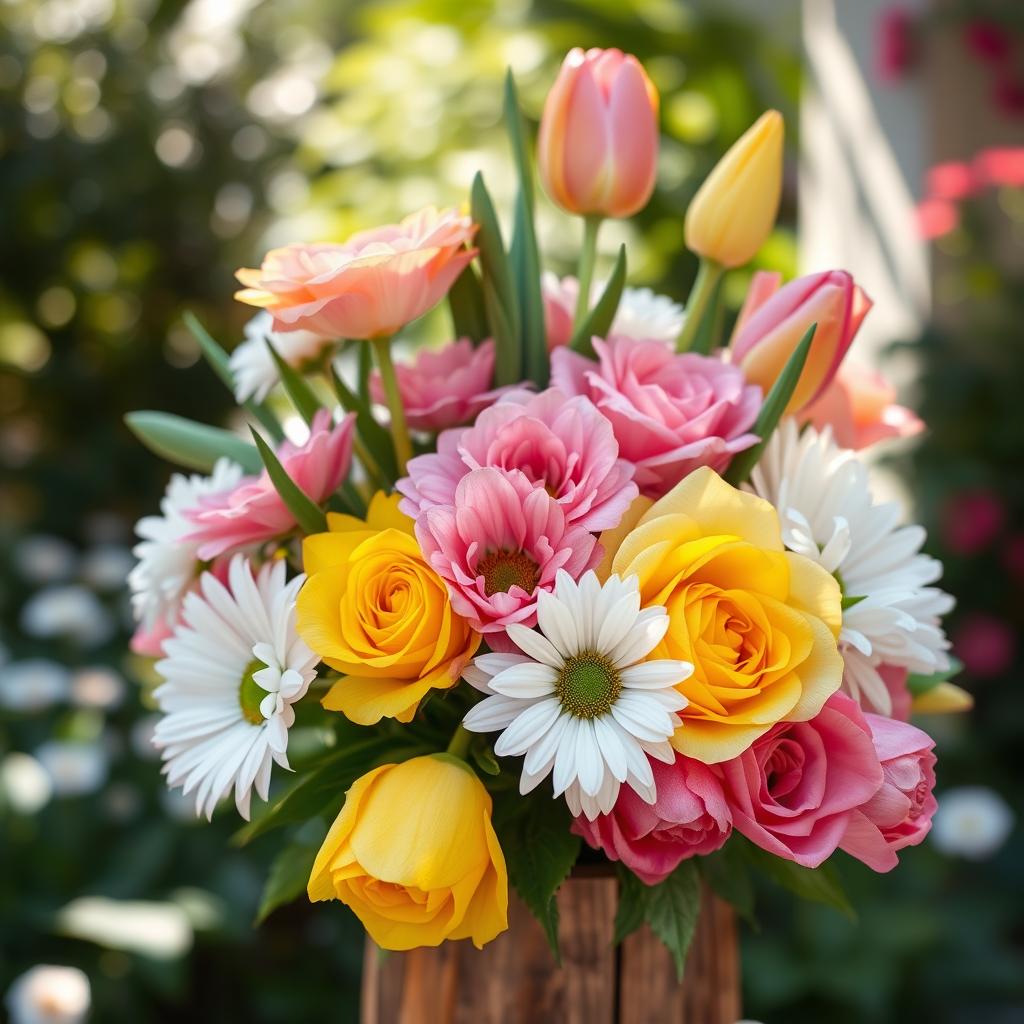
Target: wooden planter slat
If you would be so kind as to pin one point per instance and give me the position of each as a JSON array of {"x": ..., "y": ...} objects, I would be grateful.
[{"x": 514, "y": 979}]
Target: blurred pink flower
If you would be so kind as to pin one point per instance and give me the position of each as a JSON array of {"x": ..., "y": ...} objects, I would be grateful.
[
  {"x": 253, "y": 511},
  {"x": 443, "y": 387},
  {"x": 795, "y": 789},
  {"x": 501, "y": 542},
  {"x": 1008, "y": 93},
  {"x": 894, "y": 36},
  {"x": 936, "y": 217},
  {"x": 670, "y": 413},
  {"x": 954, "y": 179},
  {"x": 150, "y": 642},
  {"x": 561, "y": 444},
  {"x": 972, "y": 520},
  {"x": 987, "y": 40},
  {"x": 859, "y": 405},
  {"x": 1013, "y": 557},
  {"x": 985, "y": 644},
  {"x": 367, "y": 287},
  {"x": 900, "y": 813},
  {"x": 1001, "y": 165},
  {"x": 689, "y": 818}
]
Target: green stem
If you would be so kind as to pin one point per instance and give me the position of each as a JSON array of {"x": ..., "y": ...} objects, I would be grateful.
[
  {"x": 377, "y": 479},
  {"x": 399, "y": 429},
  {"x": 708, "y": 275},
  {"x": 588, "y": 257},
  {"x": 459, "y": 746}
]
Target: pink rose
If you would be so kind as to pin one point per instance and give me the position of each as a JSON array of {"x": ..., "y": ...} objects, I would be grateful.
[
  {"x": 900, "y": 813},
  {"x": 794, "y": 791},
  {"x": 689, "y": 818},
  {"x": 671, "y": 414}
]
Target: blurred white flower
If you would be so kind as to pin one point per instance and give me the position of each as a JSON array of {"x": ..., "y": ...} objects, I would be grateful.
[
  {"x": 106, "y": 567},
  {"x": 141, "y": 738},
  {"x": 158, "y": 930},
  {"x": 97, "y": 687},
  {"x": 34, "y": 684},
  {"x": 24, "y": 783},
  {"x": 42, "y": 558},
  {"x": 972, "y": 822},
  {"x": 121, "y": 801},
  {"x": 252, "y": 365},
  {"x": 45, "y": 994},
  {"x": 70, "y": 612},
  {"x": 76, "y": 768}
]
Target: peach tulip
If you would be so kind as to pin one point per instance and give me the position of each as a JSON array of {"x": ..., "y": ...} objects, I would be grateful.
[
  {"x": 772, "y": 322},
  {"x": 598, "y": 143},
  {"x": 367, "y": 287}
]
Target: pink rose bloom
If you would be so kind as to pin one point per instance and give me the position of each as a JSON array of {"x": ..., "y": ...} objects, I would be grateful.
[
  {"x": 501, "y": 542},
  {"x": 795, "y": 789},
  {"x": 368, "y": 287},
  {"x": 860, "y": 407},
  {"x": 689, "y": 818},
  {"x": 561, "y": 444},
  {"x": 253, "y": 511},
  {"x": 671, "y": 414},
  {"x": 900, "y": 813},
  {"x": 443, "y": 387}
]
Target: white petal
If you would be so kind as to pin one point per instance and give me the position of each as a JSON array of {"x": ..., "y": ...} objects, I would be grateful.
[
  {"x": 528, "y": 728},
  {"x": 656, "y": 675},
  {"x": 534, "y": 645},
  {"x": 527, "y": 680}
]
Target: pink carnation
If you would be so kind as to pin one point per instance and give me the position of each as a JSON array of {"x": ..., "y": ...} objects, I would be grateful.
[
  {"x": 689, "y": 818},
  {"x": 671, "y": 414},
  {"x": 563, "y": 445},
  {"x": 794, "y": 791},
  {"x": 443, "y": 387},
  {"x": 253, "y": 511},
  {"x": 501, "y": 542},
  {"x": 900, "y": 813}
]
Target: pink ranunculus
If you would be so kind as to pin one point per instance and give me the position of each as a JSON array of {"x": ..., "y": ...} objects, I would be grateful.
[
  {"x": 689, "y": 818},
  {"x": 501, "y": 542},
  {"x": 367, "y": 287},
  {"x": 860, "y": 407},
  {"x": 900, "y": 813},
  {"x": 772, "y": 324},
  {"x": 795, "y": 789},
  {"x": 670, "y": 414},
  {"x": 561, "y": 444},
  {"x": 253, "y": 512},
  {"x": 972, "y": 520},
  {"x": 443, "y": 387}
]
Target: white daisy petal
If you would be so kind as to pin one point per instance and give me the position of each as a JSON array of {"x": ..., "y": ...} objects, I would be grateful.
[
  {"x": 528, "y": 680},
  {"x": 656, "y": 675},
  {"x": 528, "y": 727}
]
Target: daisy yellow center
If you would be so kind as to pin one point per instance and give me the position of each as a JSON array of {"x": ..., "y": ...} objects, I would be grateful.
[
  {"x": 588, "y": 685},
  {"x": 250, "y": 693},
  {"x": 503, "y": 570}
]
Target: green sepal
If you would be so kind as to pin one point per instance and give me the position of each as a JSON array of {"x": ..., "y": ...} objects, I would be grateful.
[{"x": 190, "y": 444}]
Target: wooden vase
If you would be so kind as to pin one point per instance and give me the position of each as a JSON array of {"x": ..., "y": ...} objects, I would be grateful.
[{"x": 514, "y": 979}]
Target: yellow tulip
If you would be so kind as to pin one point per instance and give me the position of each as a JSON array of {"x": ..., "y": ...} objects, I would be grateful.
[
  {"x": 758, "y": 623},
  {"x": 414, "y": 855},
  {"x": 734, "y": 210},
  {"x": 373, "y": 609},
  {"x": 945, "y": 699}
]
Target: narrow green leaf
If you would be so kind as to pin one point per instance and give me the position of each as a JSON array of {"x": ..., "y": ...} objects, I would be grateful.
[
  {"x": 918, "y": 684},
  {"x": 296, "y": 387},
  {"x": 377, "y": 440},
  {"x": 852, "y": 602},
  {"x": 364, "y": 359},
  {"x": 771, "y": 411},
  {"x": 466, "y": 302},
  {"x": 308, "y": 514},
  {"x": 709, "y": 330},
  {"x": 821, "y": 885},
  {"x": 189, "y": 444},
  {"x": 632, "y": 906},
  {"x": 288, "y": 878},
  {"x": 599, "y": 320},
  {"x": 672, "y": 909}
]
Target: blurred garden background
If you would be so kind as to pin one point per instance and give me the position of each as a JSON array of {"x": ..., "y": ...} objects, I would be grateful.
[{"x": 150, "y": 147}]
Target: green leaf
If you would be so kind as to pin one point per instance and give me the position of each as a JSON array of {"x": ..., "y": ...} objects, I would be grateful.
[
  {"x": 307, "y": 405},
  {"x": 820, "y": 885},
  {"x": 377, "y": 440},
  {"x": 288, "y": 878},
  {"x": 771, "y": 411},
  {"x": 483, "y": 756},
  {"x": 851, "y": 602},
  {"x": 190, "y": 444},
  {"x": 219, "y": 360},
  {"x": 308, "y": 514},
  {"x": 672, "y": 909},
  {"x": 466, "y": 302},
  {"x": 918, "y": 684},
  {"x": 709, "y": 330},
  {"x": 599, "y": 320},
  {"x": 631, "y": 911},
  {"x": 728, "y": 874}
]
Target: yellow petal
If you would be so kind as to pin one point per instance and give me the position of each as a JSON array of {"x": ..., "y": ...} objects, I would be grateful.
[
  {"x": 611, "y": 540},
  {"x": 945, "y": 698},
  {"x": 821, "y": 674},
  {"x": 366, "y": 701},
  {"x": 815, "y": 591}
]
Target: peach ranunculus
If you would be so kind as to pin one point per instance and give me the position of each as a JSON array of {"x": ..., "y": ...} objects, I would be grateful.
[
  {"x": 597, "y": 150},
  {"x": 758, "y": 623},
  {"x": 373, "y": 609},
  {"x": 413, "y": 853},
  {"x": 368, "y": 287}
]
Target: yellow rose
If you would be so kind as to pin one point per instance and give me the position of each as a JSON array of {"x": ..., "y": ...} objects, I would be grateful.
[
  {"x": 758, "y": 623},
  {"x": 373, "y": 609},
  {"x": 414, "y": 855}
]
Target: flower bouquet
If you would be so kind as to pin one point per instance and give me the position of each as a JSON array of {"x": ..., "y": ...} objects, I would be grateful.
[{"x": 587, "y": 581}]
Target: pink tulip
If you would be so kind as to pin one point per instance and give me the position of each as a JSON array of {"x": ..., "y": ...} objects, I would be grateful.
[
  {"x": 598, "y": 143},
  {"x": 772, "y": 323},
  {"x": 368, "y": 287}
]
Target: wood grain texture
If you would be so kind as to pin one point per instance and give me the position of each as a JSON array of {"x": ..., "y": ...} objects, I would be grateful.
[{"x": 514, "y": 979}]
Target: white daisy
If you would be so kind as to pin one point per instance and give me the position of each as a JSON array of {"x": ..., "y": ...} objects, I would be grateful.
[
  {"x": 580, "y": 701},
  {"x": 252, "y": 365},
  {"x": 234, "y": 667},
  {"x": 823, "y": 496},
  {"x": 168, "y": 565}
]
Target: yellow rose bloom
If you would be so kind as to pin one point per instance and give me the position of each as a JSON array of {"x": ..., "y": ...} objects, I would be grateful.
[
  {"x": 414, "y": 855},
  {"x": 758, "y": 623},
  {"x": 373, "y": 609}
]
